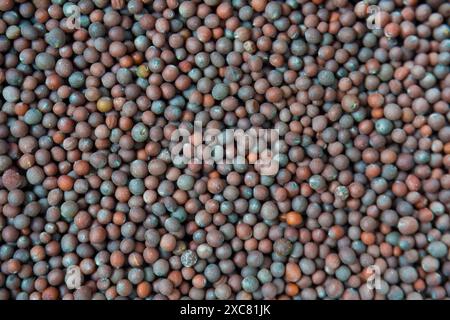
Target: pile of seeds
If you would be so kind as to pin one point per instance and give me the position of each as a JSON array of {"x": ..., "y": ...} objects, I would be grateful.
[{"x": 93, "y": 206}]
